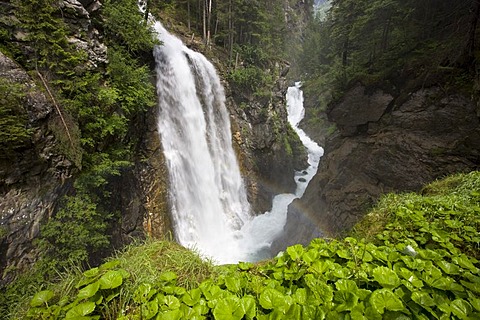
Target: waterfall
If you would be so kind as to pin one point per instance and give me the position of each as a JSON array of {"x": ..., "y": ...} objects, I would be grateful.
[
  {"x": 209, "y": 205},
  {"x": 260, "y": 232},
  {"x": 208, "y": 198}
]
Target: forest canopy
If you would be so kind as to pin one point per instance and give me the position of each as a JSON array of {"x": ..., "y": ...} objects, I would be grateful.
[{"x": 386, "y": 41}]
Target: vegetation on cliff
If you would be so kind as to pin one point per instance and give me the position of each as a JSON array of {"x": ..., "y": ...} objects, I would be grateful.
[
  {"x": 414, "y": 257},
  {"x": 96, "y": 107},
  {"x": 390, "y": 44}
]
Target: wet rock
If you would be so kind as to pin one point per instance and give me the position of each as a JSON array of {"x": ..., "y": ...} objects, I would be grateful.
[
  {"x": 269, "y": 152},
  {"x": 358, "y": 108}
]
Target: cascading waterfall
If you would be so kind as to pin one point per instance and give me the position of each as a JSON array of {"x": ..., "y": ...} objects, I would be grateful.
[
  {"x": 208, "y": 198},
  {"x": 260, "y": 232},
  {"x": 209, "y": 205}
]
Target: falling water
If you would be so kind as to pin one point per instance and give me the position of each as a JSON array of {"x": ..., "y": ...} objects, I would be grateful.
[
  {"x": 260, "y": 232},
  {"x": 208, "y": 198},
  {"x": 209, "y": 205}
]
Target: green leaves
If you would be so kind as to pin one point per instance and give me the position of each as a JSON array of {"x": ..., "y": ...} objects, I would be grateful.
[
  {"x": 384, "y": 299},
  {"x": 111, "y": 280},
  {"x": 334, "y": 279},
  {"x": 40, "y": 299},
  {"x": 80, "y": 310},
  {"x": 386, "y": 277}
]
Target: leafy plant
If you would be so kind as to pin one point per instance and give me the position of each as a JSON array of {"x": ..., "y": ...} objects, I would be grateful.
[{"x": 409, "y": 270}]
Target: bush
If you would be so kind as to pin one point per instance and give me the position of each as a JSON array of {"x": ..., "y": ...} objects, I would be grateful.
[
  {"x": 418, "y": 267},
  {"x": 14, "y": 130}
]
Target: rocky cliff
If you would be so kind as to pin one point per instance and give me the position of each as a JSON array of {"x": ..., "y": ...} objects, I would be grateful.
[
  {"x": 385, "y": 142},
  {"x": 35, "y": 177}
]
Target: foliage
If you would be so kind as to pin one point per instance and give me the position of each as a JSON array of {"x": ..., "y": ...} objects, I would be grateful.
[
  {"x": 76, "y": 232},
  {"x": 125, "y": 25},
  {"x": 446, "y": 216},
  {"x": 413, "y": 270},
  {"x": 392, "y": 44},
  {"x": 139, "y": 265},
  {"x": 98, "y": 102},
  {"x": 248, "y": 78},
  {"x": 14, "y": 131}
]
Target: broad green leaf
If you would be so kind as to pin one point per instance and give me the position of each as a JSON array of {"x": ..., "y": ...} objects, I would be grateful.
[
  {"x": 110, "y": 280},
  {"x": 149, "y": 309},
  {"x": 340, "y": 272},
  {"x": 168, "y": 276},
  {"x": 347, "y": 285},
  {"x": 295, "y": 252},
  {"x": 91, "y": 273},
  {"x": 322, "y": 292},
  {"x": 310, "y": 256},
  {"x": 170, "y": 315},
  {"x": 411, "y": 277},
  {"x": 226, "y": 309},
  {"x": 464, "y": 262},
  {"x": 386, "y": 277},
  {"x": 423, "y": 298},
  {"x": 300, "y": 296},
  {"x": 474, "y": 301},
  {"x": 233, "y": 284},
  {"x": 245, "y": 266},
  {"x": 210, "y": 291},
  {"x": 88, "y": 291},
  {"x": 144, "y": 293},
  {"x": 192, "y": 297},
  {"x": 248, "y": 307},
  {"x": 295, "y": 312},
  {"x": 345, "y": 300},
  {"x": 321, "y": 266},
  {"x": 109, "y": 265},
  {"x": 358, "y": 311},
  {"x": 461, "y": 308},
  {"x": 385, "y": 299},
  {"x": 171, "y": 302},
  {"x": 309, "y": 312},
  {"x": 80, "y": 310},
  {"x": 41, "y": 298},
  {"x": 271, "y": 298},
  {"x": 475, "y": 287}
]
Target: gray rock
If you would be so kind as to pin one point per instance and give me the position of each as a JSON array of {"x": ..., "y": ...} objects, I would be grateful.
[{"x": 430, "y": 135}]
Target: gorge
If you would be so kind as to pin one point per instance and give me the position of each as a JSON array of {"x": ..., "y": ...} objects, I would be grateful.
[
  {"x": 209, "y": 204},
  {"x": 101, "y": 145}
]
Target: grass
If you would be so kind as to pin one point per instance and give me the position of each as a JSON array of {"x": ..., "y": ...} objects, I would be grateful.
[{"x": 145, "y": 261}]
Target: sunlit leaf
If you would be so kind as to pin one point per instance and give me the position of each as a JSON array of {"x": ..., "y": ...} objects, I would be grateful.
[
  {"x": 111, "y": 279},
  {"x": 80, "y": 310},
  {"x": 41, "y": 298},
  {"x": 385, "y": 299}
]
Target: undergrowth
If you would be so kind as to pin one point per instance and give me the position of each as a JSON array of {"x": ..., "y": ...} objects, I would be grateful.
[{"x": 413, "y": 257}]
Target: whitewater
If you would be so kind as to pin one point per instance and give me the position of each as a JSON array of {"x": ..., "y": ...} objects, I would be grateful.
[{"x": 208, "y": 200}]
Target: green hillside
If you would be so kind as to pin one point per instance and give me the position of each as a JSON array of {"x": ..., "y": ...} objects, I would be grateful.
[{"x": 414, "y": 256}]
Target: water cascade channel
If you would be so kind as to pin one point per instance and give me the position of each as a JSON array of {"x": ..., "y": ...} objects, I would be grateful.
[{"x": 208, "y": 200}]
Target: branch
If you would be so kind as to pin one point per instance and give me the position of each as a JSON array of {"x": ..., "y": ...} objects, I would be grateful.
[{"x": 56, "y": 107}]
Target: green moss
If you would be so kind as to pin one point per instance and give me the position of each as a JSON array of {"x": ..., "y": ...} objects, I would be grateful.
[{"x": 14, "y": 128}]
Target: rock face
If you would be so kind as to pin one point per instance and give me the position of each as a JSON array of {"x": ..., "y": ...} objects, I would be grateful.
[
  {"x": 32, "y": 179},
  {"x": 384, "y": 145},
  {"x": 269, "y": 150},
  {"x": 35, "y": 178}
]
